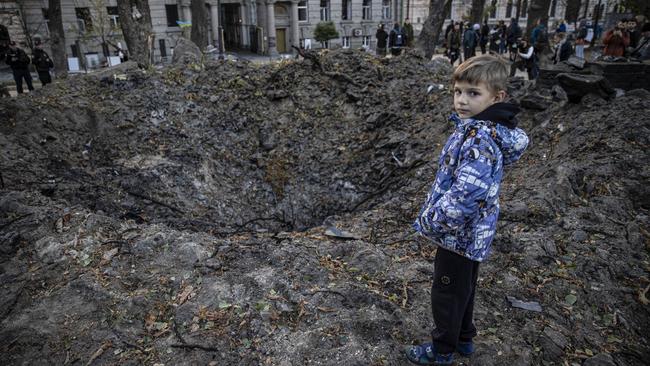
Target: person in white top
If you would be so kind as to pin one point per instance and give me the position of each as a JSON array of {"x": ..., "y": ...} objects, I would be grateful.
[{"x": 526, "y": 59}]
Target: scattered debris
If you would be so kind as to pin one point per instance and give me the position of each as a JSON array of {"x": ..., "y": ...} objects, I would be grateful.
[{"x": 526, "y": 305}]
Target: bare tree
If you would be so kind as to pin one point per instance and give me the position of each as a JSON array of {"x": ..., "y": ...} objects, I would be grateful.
[
  {"x": 199, "y": 23},
  {"x": 430, "y": 33},
  {"x": 104, "y": 30},
  {"x": 57, "y": 38},
  {"x": 477, "y": 12},
  {"x": 135, "y": 20},
  {"x": 538, "y": 9}
]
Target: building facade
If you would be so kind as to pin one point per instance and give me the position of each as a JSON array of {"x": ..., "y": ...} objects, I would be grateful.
[{"x": 92, "y": 28}]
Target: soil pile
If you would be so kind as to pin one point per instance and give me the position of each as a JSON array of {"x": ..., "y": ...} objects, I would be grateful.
[{"x": 186, "y": 216}]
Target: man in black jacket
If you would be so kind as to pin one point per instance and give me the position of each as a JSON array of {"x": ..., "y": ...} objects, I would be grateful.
[
  {"x": 43, "y": 64},
  {"x": 19, "y": 62},
  {"x": 382, "y": 38}
]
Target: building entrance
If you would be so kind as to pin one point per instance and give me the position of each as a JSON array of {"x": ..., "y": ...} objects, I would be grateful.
[{"x": 231, "y": 21}]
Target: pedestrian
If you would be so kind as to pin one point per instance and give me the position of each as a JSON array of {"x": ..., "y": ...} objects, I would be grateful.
[
  {"x": 461, "y": 211},
  {"x": 561, "y": 27},
  {"x": 469, "y": 43},
  {"x": 581, "y": 41},
  {"x": 408, "y": 32},
  {"x": 495, "y": 39},
  {"x": 382, "y": 38},
  {"x": 502, "y": 37},
  {"x": 453, "y": 44},
  {"x": 562, "y": 49},
  {"x": 396, "y": 40},
  {"x": 615, "y": 40},
  {"x": 527, "y": 58},
  {"x": 43, "y": 64},
  {"x": 513, "y": 34},
  {"x": 642, "y": 51},
  {"x": 485, "y": 36},
  {"x": 539, "y": 37},
  {"x": 634, "y": 33},
  {"x": 19, "y": 62}
]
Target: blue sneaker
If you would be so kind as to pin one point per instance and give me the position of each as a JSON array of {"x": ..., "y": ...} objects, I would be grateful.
[
  {"x": 465, "y": 348},
  {"x": 426, "y": 355}
]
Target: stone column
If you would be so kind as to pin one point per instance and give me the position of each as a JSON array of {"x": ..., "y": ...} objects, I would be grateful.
[
  {"x": 214, "y": 22},
  {"x": 295, "y": 31},
  {"x": 270, "y": 21}
]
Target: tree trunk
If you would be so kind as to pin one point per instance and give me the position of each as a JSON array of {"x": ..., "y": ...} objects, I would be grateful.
[
  {"x": 135, "y": 19},
  {"x": 57, "y": 38},
  {"x": 430, "y": 33},
  {"x": 572, "y": 11},
  {"x": 538, "y": 9},
  {"x": 476, "y": 14},
  {"x": 199, "y": 24}
]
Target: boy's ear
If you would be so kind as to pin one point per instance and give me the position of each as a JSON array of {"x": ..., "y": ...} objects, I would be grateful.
[{"x": 500, "y": 96}]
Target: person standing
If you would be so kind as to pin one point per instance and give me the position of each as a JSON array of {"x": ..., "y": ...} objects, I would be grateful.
[
  {"x": 616, "y": 40},
  {"x": 19, "y": 62},
  {"x": 43, "y": 64},
  {"x": 485, "y": 35},
  {"x": 453, "y": 44},
  {"x": 469, "y": 43},
  {"x": 382, "y": 39},
  {"x": 502, "y": 37},
  {"x": 513, "y": 33},
  {"x": 408, "y": 32},
  {"x": 396, "y": 40},
  {"x": 562, "y": 49}
]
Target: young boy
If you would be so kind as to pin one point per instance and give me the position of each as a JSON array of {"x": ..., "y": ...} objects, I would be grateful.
[{"x": 460, "y": 213}]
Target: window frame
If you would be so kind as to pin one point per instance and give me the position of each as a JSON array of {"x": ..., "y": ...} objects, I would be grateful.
[
  {"x": 366, "y": 10},
  {"x": 386, "y": 12},
  {"x": 167, "y": 15},
  {"x": 345, "y": 42},
  {"x": 346, "y": 10},
  {"x": 305, "y": 8},
  {"x": 325, "y": 10},
  {"x": 84, "y": 19}
]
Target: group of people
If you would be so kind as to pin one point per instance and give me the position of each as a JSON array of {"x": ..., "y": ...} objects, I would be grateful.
[
  {"x": 628, "y": 39},
  {"x": 398, "y": 38},
  {"x": 19, "y": 62},
  {"x": 467, "y": 38}
]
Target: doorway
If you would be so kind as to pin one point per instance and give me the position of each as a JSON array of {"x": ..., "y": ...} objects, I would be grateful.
[
  {"x": 281, "y": 39},
  {"x": 231, "y": 22}
]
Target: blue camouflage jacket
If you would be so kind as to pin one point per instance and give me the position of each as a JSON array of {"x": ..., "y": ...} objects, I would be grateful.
[{"x": 461, "y": 210}]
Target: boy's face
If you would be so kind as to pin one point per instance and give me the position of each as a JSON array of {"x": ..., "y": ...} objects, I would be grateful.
[{"x": 472, "y": 99}]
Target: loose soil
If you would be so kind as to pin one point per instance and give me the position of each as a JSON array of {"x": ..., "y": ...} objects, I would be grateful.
[{"x": 179, "y": 216}]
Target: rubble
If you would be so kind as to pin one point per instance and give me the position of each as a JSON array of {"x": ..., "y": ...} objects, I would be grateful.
[{"x": 180, "y": 216}]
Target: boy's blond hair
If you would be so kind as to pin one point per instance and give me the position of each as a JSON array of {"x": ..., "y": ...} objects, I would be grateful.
[{"x": 488, "y": 69}]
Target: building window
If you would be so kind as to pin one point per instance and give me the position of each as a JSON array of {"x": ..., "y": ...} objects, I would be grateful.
[
  {"x": 366, "y": 10},
  {"x": 365, "y": 42},
  {"x": 172, "y": 15},
  {"x": 346, "y": 42},
  {"x": 493, "y": 9},
  {"x": 113, "y": 15},
  {"x": 509, "y": 9},
  {"x": 385, "y": 9},
  {"x": 346, "y": 9},
  {"x": 324, "y": 10},
  {"x": 524, "y": 8},
  {"x": 302, "y": 11},
  {"x": 84, "y": 21}
]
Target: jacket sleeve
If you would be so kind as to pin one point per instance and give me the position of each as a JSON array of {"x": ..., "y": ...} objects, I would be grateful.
[
  {"x": 608, "y": 36},
  {"x": 513, "y": 144},
  {"x": 460, "y": 204}
]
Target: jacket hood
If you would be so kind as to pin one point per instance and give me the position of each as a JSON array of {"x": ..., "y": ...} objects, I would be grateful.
[
  {"x": 511, "y": 140},
  {"x": 502, "y": 113}
]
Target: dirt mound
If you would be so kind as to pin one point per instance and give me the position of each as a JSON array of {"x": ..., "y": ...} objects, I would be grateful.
[{"x": 179, "y": 217}]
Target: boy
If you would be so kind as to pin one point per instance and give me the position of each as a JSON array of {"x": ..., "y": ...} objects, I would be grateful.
[{"x": 461, "y": 211}]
